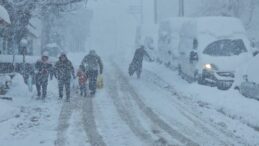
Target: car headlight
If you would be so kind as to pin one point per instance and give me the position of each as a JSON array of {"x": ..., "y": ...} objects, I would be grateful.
[{"x": 207, "y": 66}]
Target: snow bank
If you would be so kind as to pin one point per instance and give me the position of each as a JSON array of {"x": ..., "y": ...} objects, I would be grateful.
[
  {"x": 27, "y": 121},
  {"x": 4, "y": 15},
  {"x": 251, "y": 69},
  {"x": 229, "y": 103},
  {"x": 19, "y": 88},
  {"x": 3, "y": 79},
  {"x": 7, "y": 110}
]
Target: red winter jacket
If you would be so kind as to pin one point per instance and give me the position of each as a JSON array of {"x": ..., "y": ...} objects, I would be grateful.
[{"x": 82, "y": 77}]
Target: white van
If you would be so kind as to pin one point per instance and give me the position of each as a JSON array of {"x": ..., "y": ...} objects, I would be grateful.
[
  {"x": 168, "y": 40},
  {"x": 207, "y": 49}
]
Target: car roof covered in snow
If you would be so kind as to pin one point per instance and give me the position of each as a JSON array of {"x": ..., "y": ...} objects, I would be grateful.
[
  {"x": 206, "y": 29},
  {"x": 4, "y": 15},
  {"x": 218, "y": 26}
]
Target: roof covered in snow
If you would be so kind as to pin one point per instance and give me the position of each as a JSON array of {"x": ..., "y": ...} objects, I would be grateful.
[{"x": 4, "y": 15}]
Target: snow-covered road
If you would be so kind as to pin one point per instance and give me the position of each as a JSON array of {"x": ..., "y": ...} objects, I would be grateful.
[{"x": 126, "y": 112}]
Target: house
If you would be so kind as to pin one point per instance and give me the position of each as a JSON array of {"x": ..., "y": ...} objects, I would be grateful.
[{"x": 4, "y": 24}]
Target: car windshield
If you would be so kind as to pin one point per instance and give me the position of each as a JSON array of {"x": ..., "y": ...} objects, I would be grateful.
[{"x": 225, "y": 47}]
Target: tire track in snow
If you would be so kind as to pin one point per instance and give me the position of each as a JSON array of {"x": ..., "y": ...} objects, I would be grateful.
[
  {"x": 85, "y": 106},
  {"x": 126, "y": 115},
  {"x": 127, "y": 88},
  {"x": 89, "y": 123},
  {"x": 63, "y": 124}
]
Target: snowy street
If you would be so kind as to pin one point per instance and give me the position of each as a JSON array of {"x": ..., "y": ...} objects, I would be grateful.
[{"x": 150, "y": 111}]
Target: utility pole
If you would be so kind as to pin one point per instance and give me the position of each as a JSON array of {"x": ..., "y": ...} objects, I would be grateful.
[
  {"x": 181, "y": 8},
  {"x": 142, "y": 11},
  {"x": 155, "y": 11}
]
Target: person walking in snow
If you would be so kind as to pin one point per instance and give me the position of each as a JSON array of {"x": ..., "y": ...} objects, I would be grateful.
[
  {"x": 92, "y": 63},
  {"x": 64, "y": 71},
  {"x": 136, "y": 64},
  {"x": 82, "y": 79},
  {"x": 43, "y": 69}
]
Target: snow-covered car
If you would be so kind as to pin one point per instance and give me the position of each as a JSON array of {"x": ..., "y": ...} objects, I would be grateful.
[
  {"x": 207, "y": 52},
  {"x": 168, "y": 40},
  {"x": 247, "y": 82}
]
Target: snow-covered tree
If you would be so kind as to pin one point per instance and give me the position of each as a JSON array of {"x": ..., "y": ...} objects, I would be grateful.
[{"x": 21, "y": 11}]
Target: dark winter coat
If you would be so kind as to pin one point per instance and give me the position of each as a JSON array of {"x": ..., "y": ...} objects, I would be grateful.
[
  {"x": 139, "y": 56},
  {"x": 64, "y": 70},
  {"x": 92, "y": 62},
  {"x": 43, "y": 71}
]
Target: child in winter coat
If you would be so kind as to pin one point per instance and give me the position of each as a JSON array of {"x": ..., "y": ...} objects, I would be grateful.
[{"x": 82, "y": 78}]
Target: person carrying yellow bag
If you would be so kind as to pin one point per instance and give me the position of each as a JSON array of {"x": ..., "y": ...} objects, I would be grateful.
[{"x": 93, "y": 67}]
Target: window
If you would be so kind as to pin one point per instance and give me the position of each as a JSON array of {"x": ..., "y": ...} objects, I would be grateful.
[{"x": 225, "y": 47}]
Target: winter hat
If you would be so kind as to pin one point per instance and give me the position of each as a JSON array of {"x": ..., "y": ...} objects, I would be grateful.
[
  {"x": 63, "y": 54},
  {"x": 92, "y": 52},
  {"x": 142, "y": 46},
  {"x": 45, "y": 54}
]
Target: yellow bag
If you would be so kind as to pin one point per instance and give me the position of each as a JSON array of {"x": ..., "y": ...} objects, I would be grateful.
[{"x": 99, "y": 82}]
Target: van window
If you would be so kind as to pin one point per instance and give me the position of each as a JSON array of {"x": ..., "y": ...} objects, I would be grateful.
[{"x": 225, "y": 47}]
